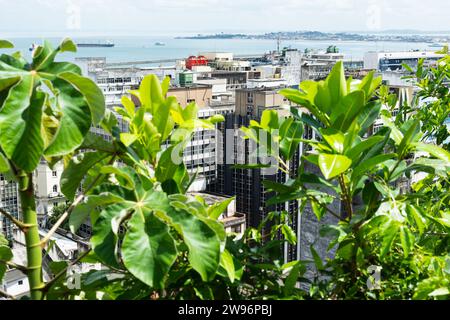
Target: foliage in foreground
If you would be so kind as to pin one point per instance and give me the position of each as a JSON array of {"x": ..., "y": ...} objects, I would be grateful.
[{"x": 157, "y": 242}]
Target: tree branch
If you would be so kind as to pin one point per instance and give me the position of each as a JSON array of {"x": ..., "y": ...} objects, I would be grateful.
[
  {"x": 22, "y": 226},
  {"x": 15, "y": 265},
  {"x": 70, "y": 209},
  {"x": 326, "y": 208},
  {"x": 64, "y": 271}
]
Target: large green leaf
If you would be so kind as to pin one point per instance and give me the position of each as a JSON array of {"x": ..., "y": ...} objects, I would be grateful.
[
  {"x": 92, "y": 94},
  {"x": 202, "y": 241},
  {"x": 76, "y": 170},
  {"x": 75, "y": 121},
  {"x": 362, "y": 146},
  {"x": 389, "y": 233},
  {"x": 226, "y": 262},
  {"x": 215, "y": 210},
  {"x": 148, "y": 249},
  {"x": 347, "y": 110},
  {"x": 407, "y": 240},
  {"x": 333, "y": 165},
  {"x": 337, "y": 86},
  {"x": 291, "y": 132},
  {"x": 269, "y": 120},
  {"x": 371, "y": 163},
  {"x": 20, "y": 124},
  {"x": 5, "y": 44},
  {"x": 334, "y": 138},
  {"x": 82, "y": 212},
  {"x": 433, "y": 150},
  {"x": 104, "y": 239},
  {"x": 368, "y": 115}
]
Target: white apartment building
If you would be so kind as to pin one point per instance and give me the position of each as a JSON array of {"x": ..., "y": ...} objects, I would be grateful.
[
  {"x": 48, "y": 191},
  {"x": 393, "y": 61}
]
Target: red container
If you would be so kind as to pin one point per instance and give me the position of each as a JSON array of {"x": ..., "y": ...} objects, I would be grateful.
[{"x": 196, "y": 61}]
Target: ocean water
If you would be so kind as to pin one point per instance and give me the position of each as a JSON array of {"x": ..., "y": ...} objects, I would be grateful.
[{"x": 128, "y": 49}]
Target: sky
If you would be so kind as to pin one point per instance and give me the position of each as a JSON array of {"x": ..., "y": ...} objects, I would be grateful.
[{"x": 172, "y": 17}]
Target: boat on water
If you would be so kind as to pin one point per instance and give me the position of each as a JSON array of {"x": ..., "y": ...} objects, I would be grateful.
[
  {"x": 437, "y": 45},
  {"x": 160, "y": 44},
  {"x": 107, "y": 44}
]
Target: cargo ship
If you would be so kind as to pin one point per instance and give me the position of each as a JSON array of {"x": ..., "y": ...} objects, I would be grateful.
[{"x": 95, "y": 45}]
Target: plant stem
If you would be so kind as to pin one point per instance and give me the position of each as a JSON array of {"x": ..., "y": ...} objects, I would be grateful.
[
  {"x": 18, "y": 223},
  {"x": 32, "y": 240},
  {"x": 346, "y": 197},
  {"x": 15, "y": 266}
]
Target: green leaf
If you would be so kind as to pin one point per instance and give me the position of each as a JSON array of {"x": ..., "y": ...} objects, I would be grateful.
[
  {"x": 75, "y": 121},
  {"x": 81, "y": 212},
  {"x": 226, "y": 262},
  {"x": 122, "y": 176},
  {"x": 217, "y": 209},
  {"x": 291, "y": 279},
  {"x": 104, "y": 240},
  {"x": 389, "y": 233},
  {"x": 150, "y": 92},
  {"x": 347, "y": 110},
  {"x": 148, "y": 249},
  {"x": 368, "y": 115},
  {"x": 361, "y": 147},
  {"x": 336, "y": 83},
  {"x": 369, "y": 84},
  {"x": 334, "y": 138},
  {"x": 5, "y": 44},
  {"x": 161, "y": 117},
  {"x": 91, "y": 93},
  {"x": 67, "y": 45},
  {"x": 433, "y": 150},
  {"x": 405, "y": 144},
  {"x": 416, "y": 216},
  {"x": 317, "y": 259},
  {"x": 367, "y": 165},
  {"x": 318, "y": 210},
  {"x": 396, "y": 134},
  {"x": 76, "y": 170},
  {"x": 269, "y": 120},
  {"x": 407, "y": 240},
  {"x": 289, "y": 234},
  {"x": 5, "y": 253},
  {"x": 291, "y": 132},
  {"x": 202, "y": 241},
  {"x": 439, "y": 292},
  {"x": 20, "y": 125},
  {"x": 4, "y": 164},
  {"x": 333, "y": 165}
]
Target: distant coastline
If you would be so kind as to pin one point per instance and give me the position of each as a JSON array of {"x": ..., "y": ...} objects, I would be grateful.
[{"x": 317, "y": 35}]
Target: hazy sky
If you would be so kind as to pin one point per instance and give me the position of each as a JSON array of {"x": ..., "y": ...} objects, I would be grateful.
[{"x": 72, "y": 17}]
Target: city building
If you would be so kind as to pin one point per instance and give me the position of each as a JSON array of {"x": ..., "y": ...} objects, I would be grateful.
[
  {"x": 47, "y": 189},
  {"x": 10, "y": 202},
  {"x": 393, "y": 61}
]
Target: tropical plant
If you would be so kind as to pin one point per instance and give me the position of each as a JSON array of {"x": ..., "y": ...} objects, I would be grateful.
[
  {"x": 46, "y": 109},
  {"x": 133, "y": 186},
  {"x": 383, "y": 221}
]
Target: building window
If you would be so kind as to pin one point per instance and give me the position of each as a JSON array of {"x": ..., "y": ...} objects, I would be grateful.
[
  {"x": 20, "y": 282},
  {"x": 250, "y": 97},
  {"x": 54, "y": 173},
  {"x": 55, "y": 204},
  {"x": 190, "y": 100},
  {"x": 55, "y": 188}
]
